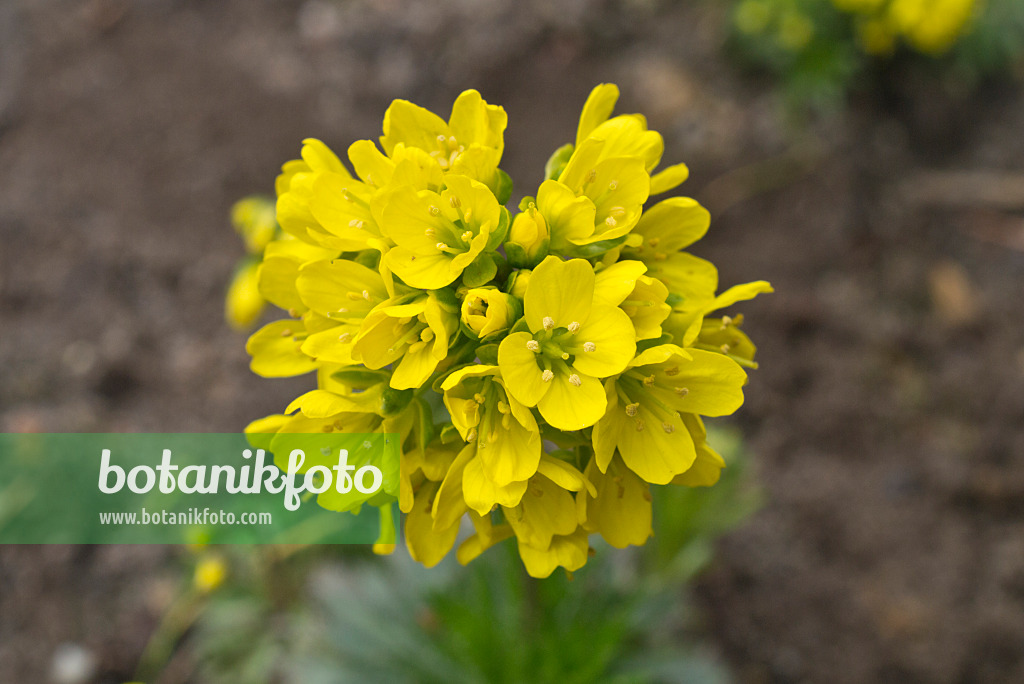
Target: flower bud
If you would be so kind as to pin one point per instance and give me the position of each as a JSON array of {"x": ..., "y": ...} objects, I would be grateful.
[
  {"x": 518, "y": 282},
  {"x": 530, "y": 234},
  {"x": 487, "y": 310}
]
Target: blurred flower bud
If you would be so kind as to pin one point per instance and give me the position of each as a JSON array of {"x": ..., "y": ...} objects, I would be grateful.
[
  {"x": 244, "y": 303},
  {"x": 255, "y": 219},
  {"x": 211, "y": 571}
]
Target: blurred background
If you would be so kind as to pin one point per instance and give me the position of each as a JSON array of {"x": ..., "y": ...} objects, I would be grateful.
[{"x": 881, "y": 194}]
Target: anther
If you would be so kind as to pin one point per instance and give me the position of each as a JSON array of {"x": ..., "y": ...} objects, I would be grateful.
[
  {"x": 548, "y": 322},
  {"x": 611, "y": 222},
  {"x": 479, "y": 398},
  {"x": 575, "y": 380},
  {"x": 547, "y": 376},
  {"x": 533, "y": 345},
  {"x": 649, "y": 381},
  {"x": 467, "y": 236},
  {"x": 668, "y": 428},
  {"x": 441, "y": 246},
  {"x": 434, "y": 211},
  {"x": 591, "y": 176},
  {"x": 503, "y": 408},
  {"x": 430, "y": 232},
  {"x": 354, "y": 296},
  {"x": 471, "y": 435},
  {"x": 366, "y": 295},
  {"x": 654, "y": 242},
  {"x": 589, "y": 347},
  {"x": 356, "y": 223},
  {"x": 455, "y": 202},
  {"x": 344, "y": 337},
  {"x": 639, "y": 425},
  {"x": 682, "y": 391},
  {"x": 286, "y": 332},
  {"x": 574, "y": 327},
  {"x": 674, "y": 370},
  {"x": 565, "y": 356},
  {"x": 614, "y": 185},
  {"x": 726, "y": 348},
  {"x": 632, "y": 409}
]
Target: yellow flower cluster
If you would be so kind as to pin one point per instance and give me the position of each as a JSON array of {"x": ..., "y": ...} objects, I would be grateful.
[
  {"x": 928, "y": 26},
  {"x": 542, "y": 369}
]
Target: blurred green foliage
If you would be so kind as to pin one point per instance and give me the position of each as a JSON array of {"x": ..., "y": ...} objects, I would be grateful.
[{"x": 821, "y": 49}]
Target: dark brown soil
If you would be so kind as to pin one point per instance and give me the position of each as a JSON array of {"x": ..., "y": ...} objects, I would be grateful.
[{"x": 887, "y": 422}]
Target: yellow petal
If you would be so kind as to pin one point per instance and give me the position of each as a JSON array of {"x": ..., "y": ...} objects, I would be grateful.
[
  {"x": 569, "y": 551},
  {"x": 482, "y": 494},
  {"x": 426, "y": 544},
  {"x": 568, "y": 407},
  {"x": 614, "y": 338},
  {"x": 614, "y": 283},
  {"x": 669, "y": 178},
  {"x": 520, "y": 369},
  {"x": 546, "y": 510},
  {"x": 621, "y": 508},
  {"x": 672, "y": 224},
  {"x": 276, "y": 350},
  {"x": 412, "y": 125},
  {"x": 560, "y": 290},
  {"x": 596, "y": 109}
]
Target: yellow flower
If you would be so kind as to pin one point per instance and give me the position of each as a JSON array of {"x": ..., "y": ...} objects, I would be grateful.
[
  {"x": 626, "y": 136},
  {"x": 620, "y": 509},
  {"x": 641, "y": 297},
  {"x": 487, "y": 311},
  {"x": 244, "y": 304},
  {"x": 645, "y": 406},
  {"x": 441, "y": 235},
  {"x": 502, "y": 432},
  {"x": 470, "y": 144},
  {"x": 407, "y": 277},
  {"x": 413, "y": 330},
  {"x": 572, "y": 342}
]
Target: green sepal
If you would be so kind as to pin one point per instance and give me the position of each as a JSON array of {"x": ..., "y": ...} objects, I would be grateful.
[
  {"x": 447, "y": 299},
  {"x": 594, "y": 249},
  {"x": 644, "y": 345},
  {"x": 557, "y": 161},
  {"x": 449, "y": 435},
  {"x": 370, "y": 258},
  {"x": 480, "y": 272},
  {"x": 499, "y": 234},
  {"x": 488, "y": 354},
  {"x": 503, "y": 186},
  {"x": 520, "y": 326},
  {"x": 359, "y": 378},
  {"x": 674, "y": 299},
  {"x": 393, "y": 401},
  {"x": 516, "y": 255}
]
